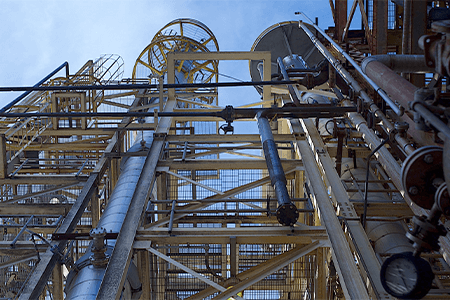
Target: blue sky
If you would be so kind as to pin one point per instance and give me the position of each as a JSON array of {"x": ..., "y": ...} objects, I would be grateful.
[{"x": 36, "y": 36}]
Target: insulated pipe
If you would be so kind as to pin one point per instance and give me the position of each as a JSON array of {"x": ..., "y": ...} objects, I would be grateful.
[
  {"x": 380, "y": 92},
  {"x": 400, "y": 63},
  {"x": 387, "y": 237},
  {"x": 85, "y": 283},
  {"x": 287, "y": 213}
]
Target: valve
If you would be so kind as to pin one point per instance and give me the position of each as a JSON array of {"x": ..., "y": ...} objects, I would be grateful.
[
  {"x": 99, "y": 258},
  {"x": 228, "y": 115}
]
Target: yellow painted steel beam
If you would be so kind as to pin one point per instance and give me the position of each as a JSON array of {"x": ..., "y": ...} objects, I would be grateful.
[
  {"x": 43, "y": 179},
  {"x": 230, "y": 138},
  {"x": 34, "y": 209},
  {"x": 270, "y": 235},
  {"x": 225, "y": 164}
]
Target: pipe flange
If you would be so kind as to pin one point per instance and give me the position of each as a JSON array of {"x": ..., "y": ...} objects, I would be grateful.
[
  {"x": 442, "y": 199},
  {"x": 287, "y": 214},
  {"x": 419, "y": 170},
  {"x": 99, "y": 258},
  {"x": 402, "y": 128}
]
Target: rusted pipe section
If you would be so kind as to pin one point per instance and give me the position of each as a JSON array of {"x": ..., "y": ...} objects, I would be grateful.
[
  {"x": 400, "y": 63},
  {"x": 398, "y": 87},
  {"x": 401, "y": 90}
]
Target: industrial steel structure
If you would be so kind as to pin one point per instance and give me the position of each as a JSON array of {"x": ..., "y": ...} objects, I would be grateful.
[{"x": 142, "y": 188}]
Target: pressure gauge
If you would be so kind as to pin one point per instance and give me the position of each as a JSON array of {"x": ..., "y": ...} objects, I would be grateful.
[{"x": 406, "y": 277}]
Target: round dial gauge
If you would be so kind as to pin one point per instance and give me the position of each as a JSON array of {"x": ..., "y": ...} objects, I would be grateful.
[{"x": 406, "y": 277}]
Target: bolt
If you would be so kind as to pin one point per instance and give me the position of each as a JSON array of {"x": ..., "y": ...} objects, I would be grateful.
[
  {"x": 413, "y": 190},
  {"x": 428, "y": 159}
]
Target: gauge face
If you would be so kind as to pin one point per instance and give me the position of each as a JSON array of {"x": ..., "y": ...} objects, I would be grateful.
[
  {"x": 401, "y": 276},
  {"x": 406, "y": 277}
]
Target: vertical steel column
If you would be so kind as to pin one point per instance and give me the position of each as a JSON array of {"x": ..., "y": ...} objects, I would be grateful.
[
  {"x": 406, "y": 36},
  {"x": 418, "y": 28},
  {"x": 287, "y": 213},
  {"x": 380, "y": 26},
  {"x": 340, "y": 17},
  {"x": 3, "y": 158}
]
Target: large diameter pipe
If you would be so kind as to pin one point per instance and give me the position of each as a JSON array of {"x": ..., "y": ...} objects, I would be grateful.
[
  {"x": 400, "y": 63},
  {"x": 398, "y": 87},
  {"x": 287, "y": 213},
  {"x": 403, "y": 91},
  {"x": 85, "y": 283},
  {"x": 387, "y": 237}
]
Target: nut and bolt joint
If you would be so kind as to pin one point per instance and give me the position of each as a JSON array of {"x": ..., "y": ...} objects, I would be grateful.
[
  {"x": 428, "y": 159},
  {"x": 413, "y": 190}
]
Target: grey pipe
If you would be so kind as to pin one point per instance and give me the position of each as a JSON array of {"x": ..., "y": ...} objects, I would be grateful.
[
  {"x": 287, "y": 213},
  {"x": 400, "y": 63},
  {"x": 85, "y": 283}
]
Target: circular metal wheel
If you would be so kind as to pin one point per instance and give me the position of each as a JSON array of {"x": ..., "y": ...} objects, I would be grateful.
[
  {"x": 419, "y": 171},
  {"x": 406, "y": 277},
  {"x": 181, "y": 35}
]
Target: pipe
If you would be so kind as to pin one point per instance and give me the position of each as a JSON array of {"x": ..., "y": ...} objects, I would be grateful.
[
  {"x": 380, "y": 92},
  {"x": 305, "y": 111},
  {"x": 403, "y": 91},
  {"x": 399, "y": 88},
  {"x": 136, "y": 86},
  {"x": 15, "y": 101},
  {"x": 287, "y": 213},
  {"x": 352, "y": 283},
  {"x": 400, "y": 63},
  {"x": 386, "y": 237},
  {"x": 366, "y": 185},
  {"x": 404, "y": 143},
  {"x": 86, "y": 282},
  {"x": 430, "y": 117},
  {"x": 286, "y": 77}
]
